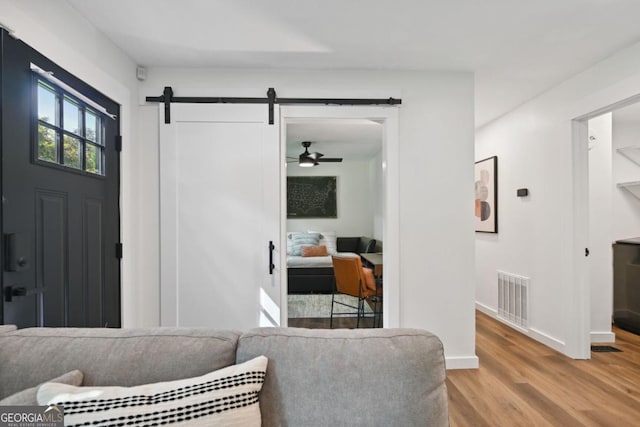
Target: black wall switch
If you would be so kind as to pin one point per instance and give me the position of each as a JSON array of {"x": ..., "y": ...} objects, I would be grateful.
[{"x": 523, "y": 192}]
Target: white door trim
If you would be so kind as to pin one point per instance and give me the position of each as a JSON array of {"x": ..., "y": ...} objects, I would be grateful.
[
  {"x": 578, "y": 294},
  {"x": 578, "y": 333},
  {"x": 388, "y": 116}
]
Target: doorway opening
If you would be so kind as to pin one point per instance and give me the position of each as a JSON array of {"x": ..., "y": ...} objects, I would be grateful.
[
  {"x": 334, "y": 208},
  {"x": 606, "y": 220},
  {"x": 341, "y": 206},
  {"x": 614, "y": 221}
]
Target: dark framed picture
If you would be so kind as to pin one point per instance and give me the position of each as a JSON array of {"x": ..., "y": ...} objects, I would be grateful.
[
  {"x": 312, "y": 197},
  {"x": 486, "y": 203}
]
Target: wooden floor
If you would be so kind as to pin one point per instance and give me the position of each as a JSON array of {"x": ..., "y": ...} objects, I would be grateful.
[
  {"x": 523, "y": 383},
  {"x": 339, "y": 322},
  {"x": 324, "y": 322}
]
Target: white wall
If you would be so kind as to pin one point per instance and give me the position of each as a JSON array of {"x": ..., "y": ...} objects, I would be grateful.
[
  {"x": 354, "y": 194},
  {"x": 626, "y": 207},
  {"x": 56, "y": 30},
  {"x": 537, "y": 238},
  {"x": 436, "y": 240},
  {"x": 147, "y": 236},
  {"x": 436, "y": 179},
  {"x": 600, "y": 259},
  {"x": 377, "y": 196}
]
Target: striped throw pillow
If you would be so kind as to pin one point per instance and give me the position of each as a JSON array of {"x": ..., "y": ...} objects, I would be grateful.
[
  {"x": 303, "y": 239},
  {"x": 226, "y": 397}
]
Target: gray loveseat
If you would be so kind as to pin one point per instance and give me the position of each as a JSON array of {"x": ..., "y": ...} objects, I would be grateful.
[{"x": 378, "y": 377}]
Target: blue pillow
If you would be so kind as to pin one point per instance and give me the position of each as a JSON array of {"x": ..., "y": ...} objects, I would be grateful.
[{"x": 303, "y": 239}]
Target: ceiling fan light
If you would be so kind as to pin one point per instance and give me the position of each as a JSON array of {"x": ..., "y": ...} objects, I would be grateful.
[{"x": 306, "y": 162}]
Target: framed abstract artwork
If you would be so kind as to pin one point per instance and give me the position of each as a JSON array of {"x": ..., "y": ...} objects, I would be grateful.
[{"x": 486, "y": 203}]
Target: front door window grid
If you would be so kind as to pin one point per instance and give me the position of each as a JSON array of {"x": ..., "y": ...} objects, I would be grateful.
[{"x": 69, "y": 133}]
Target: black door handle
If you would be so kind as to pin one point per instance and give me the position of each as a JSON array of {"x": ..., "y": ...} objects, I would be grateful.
[
  {"x": 271, "y": 265},
  {"x": 12, "y": 291}
]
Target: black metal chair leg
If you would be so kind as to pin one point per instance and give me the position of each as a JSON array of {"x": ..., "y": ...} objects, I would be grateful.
[
  {"x": 333, "y": 296},
  {"x": 375, "y": 312}
]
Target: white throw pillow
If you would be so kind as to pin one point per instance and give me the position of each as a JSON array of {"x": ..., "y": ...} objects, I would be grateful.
[
  {"x": 290, "y": 238},
  {"x": 328, "y": 239},
  {"x": 226, "y": 397},
  {"x": 303, "y": 239},
  {"x": 289, "y": 242},
  {"x": 28, "y": 396}
]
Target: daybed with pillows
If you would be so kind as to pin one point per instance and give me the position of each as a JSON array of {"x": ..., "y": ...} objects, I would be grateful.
[{"x": 309, "y": 267}]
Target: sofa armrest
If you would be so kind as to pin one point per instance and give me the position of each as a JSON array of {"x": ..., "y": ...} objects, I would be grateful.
[{"x": 363, "y": 246}]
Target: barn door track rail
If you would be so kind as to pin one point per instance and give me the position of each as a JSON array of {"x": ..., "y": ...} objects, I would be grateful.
[{"x": 167, "y": 98}]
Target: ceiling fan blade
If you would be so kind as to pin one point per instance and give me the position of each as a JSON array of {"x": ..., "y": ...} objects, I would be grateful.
[{"x": 315, "y": 157}]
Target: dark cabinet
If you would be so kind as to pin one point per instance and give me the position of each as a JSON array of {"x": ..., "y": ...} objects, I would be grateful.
[{"x": 626, "y": 284}]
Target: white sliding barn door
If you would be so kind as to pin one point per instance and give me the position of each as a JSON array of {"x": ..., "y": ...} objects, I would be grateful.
[{"x": 219, "y": 208}]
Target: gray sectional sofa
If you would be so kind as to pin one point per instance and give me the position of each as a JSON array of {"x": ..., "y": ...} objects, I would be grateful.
[{"x": 378, "y": 377}]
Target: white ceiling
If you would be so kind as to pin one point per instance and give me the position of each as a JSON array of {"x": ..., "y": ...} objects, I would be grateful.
[
  {"x": 517, "y": 48},
  {"x": 349, "y": 139},
  {"x": 628, "y": 114}
]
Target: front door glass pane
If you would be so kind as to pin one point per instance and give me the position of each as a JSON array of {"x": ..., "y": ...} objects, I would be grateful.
[
  {"x": 47, "y": 144},
  {"x": 47, "y": 105},
  {"x": 91, "y": 126},
  {"x": 93, "y": 159},
  {"x": 72, "y": 117},
  {"x": 72, "y": 152}
]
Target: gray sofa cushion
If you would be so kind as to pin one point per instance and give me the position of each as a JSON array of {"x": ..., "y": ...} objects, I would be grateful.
[
  {"x": 349, "y": 377},
  {"x": 124, "y": 357}
]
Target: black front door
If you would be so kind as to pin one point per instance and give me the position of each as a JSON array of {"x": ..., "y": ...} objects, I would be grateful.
[{"x": 60, "y": 193}]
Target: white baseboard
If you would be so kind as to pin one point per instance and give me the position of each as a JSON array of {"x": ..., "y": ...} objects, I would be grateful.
[
  {"x": 486, "y": 309},
  {"x": 533, "y": 333},
  {"x": 598, "y": 337},
  {"x": 464, "y": 362},
  {"x": 547, "y": 340}
]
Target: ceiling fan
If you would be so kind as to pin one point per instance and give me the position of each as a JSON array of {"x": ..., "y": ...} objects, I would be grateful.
[{"x": 308, "y": 159}]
